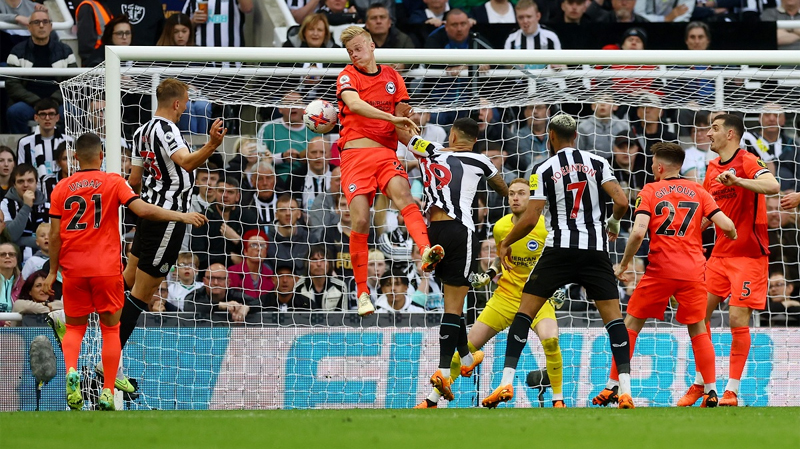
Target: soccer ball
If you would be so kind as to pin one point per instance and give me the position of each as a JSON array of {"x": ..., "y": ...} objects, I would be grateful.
[{"x": 320, "y": 116}]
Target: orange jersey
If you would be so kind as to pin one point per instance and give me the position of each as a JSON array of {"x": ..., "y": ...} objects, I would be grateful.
[
  {"x": 87, "y": 203},
  {"x": 747, "y": 209},
  {"x": 676, "y": 208},
  {"x": 382, "y": 90}
]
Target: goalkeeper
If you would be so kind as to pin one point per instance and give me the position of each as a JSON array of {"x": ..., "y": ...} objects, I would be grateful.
[{"x": 504, "y": 303}]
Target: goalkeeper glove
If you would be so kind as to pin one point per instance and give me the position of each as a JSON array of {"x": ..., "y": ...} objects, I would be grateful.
[
  {"x": 479, "y": 280},
  {"x": 558, "y": 298},
  {"x": 613, "y": 225}
]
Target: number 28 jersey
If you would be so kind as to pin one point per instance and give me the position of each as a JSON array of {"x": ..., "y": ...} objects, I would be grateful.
[
  {"x": 676, "y": 208},
  {"x": 87, "y": 203},
  {"x": 164, "y": 183}
]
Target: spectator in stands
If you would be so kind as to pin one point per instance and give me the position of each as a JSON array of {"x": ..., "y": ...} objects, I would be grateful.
[
  {"x": 324, "y": 211},
  {"x": 118, "y": 31},
  {"x": 265, "y": 200},
  {"x": 425, "y": 20},
  {"x": 697, "y": 36},
  {"x": 205, "y": 181},
  {"x": 774, "y": 146},
  {"x": 253, "y": 274},
  {"x": 699, "y": 154},
  {"x": 573, "y": 11},
  {"x": 781, "y": 300},
  {"x": 7, "y": 164},
  {"x": 313, "y": 32},
  {"x": 423, "y": 289},
  {"x": 494, "y": 11},
  {"x": 179, "y": 32},
  {"x": 395, "y": 243},
  {"x": 649, "y": 128},
  {"x": 312, "y": 178},
  {"x": 183, "y": 282},
  {"x": 673, "y": 11},
  {"x": 623, "y": 12},
  {"x": 37, "y": 51},
  {"x": 597, "y": 133},
  {"x": 33, "y": 299},
  {"x": 219, "y": 28},
  {"x": 375, "y": 271},
  {"x": 158, "y": 302},
  {"x": 338, "y": 12},
  {"x": 217, "y": 296},
  {"x": 10, "y": 279},
  {"x": 220, "y": 238},
  {"x": 301, "y": 9},
  {"x": 628, "y": 164},
  {"x": 61, "y": 159},
  {"x": 38, "y": 148},
  {"x": 146, "y": 17},
  {"x": 394, "y": 296},
  {"x": 784, "y": 238},
  {"x": 38, "y": 259},
  {"x": 24, "y": 209},
  {"x": 243, "y": 164},
  {"x": 287, "y": 137},
  {"x": 91, "y": 17},
  {"x": 379, "y": 24},
  {"x": 321, "y": 289},
  {"x": 15, "y": 12},
  {"x": 289, "y": 237},
  {"x": 529, "y": 146},
  {"x": 531, "y": 35},
  {"x": 284, "y": 299},
  {"x": 788, "y": 39},
  {"x": 634, "y": 275}
]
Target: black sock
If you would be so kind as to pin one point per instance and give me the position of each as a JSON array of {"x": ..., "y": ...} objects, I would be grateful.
[
  {"x": 130, "y": 315},
  {"x": 463, "y": 347},
  {"x": 620, "y": 349},
  {"x": 517, "y": 337},
  {"x": 448, "y": 340}
]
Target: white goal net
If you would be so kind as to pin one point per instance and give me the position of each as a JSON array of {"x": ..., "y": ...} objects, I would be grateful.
[{"x": 272, "y": 194}]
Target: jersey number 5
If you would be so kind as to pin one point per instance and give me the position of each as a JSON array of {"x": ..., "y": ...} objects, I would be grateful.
[
  {"x": 150, "y": 164},
  {"x": 75, "y": 223}
]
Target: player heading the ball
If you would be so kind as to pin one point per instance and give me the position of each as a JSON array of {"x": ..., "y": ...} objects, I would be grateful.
[{"x": 373, "y": 102}]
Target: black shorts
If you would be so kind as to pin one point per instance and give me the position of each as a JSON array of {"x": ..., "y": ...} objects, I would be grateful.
[
  {"x": 558, "y": 267},
  {"x": 456, "y": 240},
  {"x": 157, "y": 244}
]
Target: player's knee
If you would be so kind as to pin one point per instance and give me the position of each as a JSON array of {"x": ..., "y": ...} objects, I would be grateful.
[{"x": 550, "y": 345}]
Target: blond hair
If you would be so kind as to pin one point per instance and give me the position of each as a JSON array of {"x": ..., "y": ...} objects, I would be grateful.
[
  {"x": 43, "y": 226},
  {"x": 525, "y": 4},
  {"x": 352, "y": 32},
  {"x": 170, "y": 89}
]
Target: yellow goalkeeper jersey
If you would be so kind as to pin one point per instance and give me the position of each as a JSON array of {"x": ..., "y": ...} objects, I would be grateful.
[{"x": 524, "y": 254}]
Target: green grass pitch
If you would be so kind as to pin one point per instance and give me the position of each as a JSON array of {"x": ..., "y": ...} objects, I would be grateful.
[{"x": 408, "y": 429}]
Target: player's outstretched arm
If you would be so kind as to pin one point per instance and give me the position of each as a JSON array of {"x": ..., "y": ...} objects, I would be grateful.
[
  {"x": 55, "y": 253},
  {"x": 479, "y": 280},
  {"x": 766, "y": 183},
  {"x": 613, "y": 189},
  {"x": 364, "y": 109},
  {"x": 722, "y": 222},
  {"x": 638, "y": 232},
  {"x": 189, "y": 161},
  {"x": 497, "y": 184},
  {"x": 155, "y": 213}
]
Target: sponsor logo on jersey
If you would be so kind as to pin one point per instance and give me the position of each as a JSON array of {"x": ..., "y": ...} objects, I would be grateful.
[
  {"x": 761, "y": 163},
  {"x": 352, "y": 188},
  {"x": 390, "y": 87},
  {"x": 169, "y": 137},
  {"x": 534, "y": 181},
  {"x": 533, "y": 245},
  {"x": 638, "y": 201},
  {"x": 344, "y": 79}
]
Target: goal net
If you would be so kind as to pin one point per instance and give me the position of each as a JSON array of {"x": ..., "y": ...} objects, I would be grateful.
[{"x": 272, "y": 194}]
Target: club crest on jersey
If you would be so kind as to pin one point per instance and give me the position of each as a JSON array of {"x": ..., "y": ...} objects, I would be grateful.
[
  {"x": 390, "y": 87},
  {"x": 733, "y": 170},
  {"x": 164, "y": 268},
  {"x": 344, "y": 79},
  {"x": 352, "y": 188},
  {"x": 533, "y": 245}
]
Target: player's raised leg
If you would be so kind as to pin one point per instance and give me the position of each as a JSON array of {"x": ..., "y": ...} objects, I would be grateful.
[{"x": 399, "y": 191}]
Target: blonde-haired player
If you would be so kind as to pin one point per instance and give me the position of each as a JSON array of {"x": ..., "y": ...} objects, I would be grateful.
[{"x": 504, "y": 303}]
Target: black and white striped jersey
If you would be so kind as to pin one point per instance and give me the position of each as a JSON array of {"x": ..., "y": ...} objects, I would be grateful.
[
  {"x": 542, "y": 39},
  {"x": 224, "y": 27},
  {"x": 571, "y": 185},
  {"x": 38, "y": 151},
  {"x": 164, "y": 183},
  {"x": 451, "y": 178}
]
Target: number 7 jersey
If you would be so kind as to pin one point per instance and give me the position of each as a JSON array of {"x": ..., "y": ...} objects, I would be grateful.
[
  {"x": 87, "y": 203},
  {"x": 676, "y": 208}
]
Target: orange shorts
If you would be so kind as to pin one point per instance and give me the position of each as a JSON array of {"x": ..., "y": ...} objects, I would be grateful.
[
  {"x": 651, "y": 297},
  {"x": 744, "y": 278},
  {"x": 84, "y": 295},
  {"x": 364, "y": 170}
]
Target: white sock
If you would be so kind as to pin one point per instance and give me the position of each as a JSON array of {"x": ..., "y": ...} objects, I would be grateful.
[
  {"x": 434, "y": 396},
  {"x": 624, "y": 383},
  {"x": 612, "y": 383},
  {"x": 698, "y": 379},
  {"x": 120, "y": 374},
  {"x": 733, "y": 385},
  {"x": 467, "y": 360},
  {"x": 711, "y": 386},
  {"x": 558, "y": 396},
  {"x": 508, "y": 376}
]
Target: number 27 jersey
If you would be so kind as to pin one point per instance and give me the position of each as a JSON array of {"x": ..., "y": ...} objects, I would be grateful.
[
  {"x": 676, "y": 208},
  {"x": 87, "y": 203}
]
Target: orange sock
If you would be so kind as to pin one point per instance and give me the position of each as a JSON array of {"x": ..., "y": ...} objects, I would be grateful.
[
  {"x": 740, "y": 349},
  {"x": 71, "y": 344},
  {"x": 359, "y": 256},
  {"x": 416, "y": 225},
  {"x": 704, "y": 358},
  {"x": 632, "y": 334},
  {"x": 111, "y": 354}
]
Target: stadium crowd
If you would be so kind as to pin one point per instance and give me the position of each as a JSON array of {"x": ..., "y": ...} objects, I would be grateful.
[{"x": 277, "y": 237}]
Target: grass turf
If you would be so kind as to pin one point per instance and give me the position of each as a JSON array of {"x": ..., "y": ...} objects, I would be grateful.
[{"x": 408, "y": 429}]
